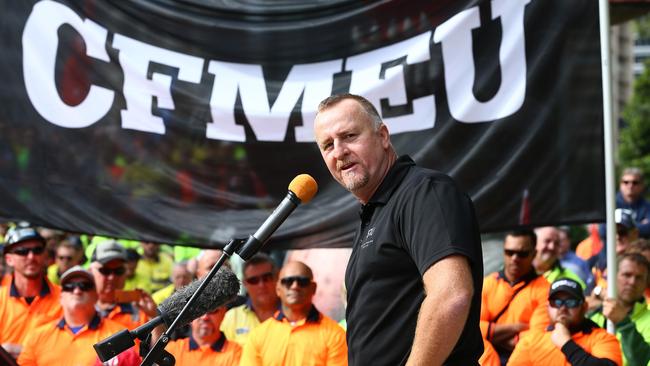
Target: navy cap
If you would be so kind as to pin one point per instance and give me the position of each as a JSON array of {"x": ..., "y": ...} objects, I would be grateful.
[{"x": 624, "y": 217}]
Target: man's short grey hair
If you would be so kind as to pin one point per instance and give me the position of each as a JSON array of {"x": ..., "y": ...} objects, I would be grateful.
[
  {"x": 633, "y": 171},
  {"x": 370, "y": 109}
]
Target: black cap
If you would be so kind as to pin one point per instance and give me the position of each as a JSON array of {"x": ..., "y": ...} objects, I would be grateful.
[{"x": 568, "y": 286}]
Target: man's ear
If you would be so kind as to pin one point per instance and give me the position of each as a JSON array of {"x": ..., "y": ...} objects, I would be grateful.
[{"x": 385, "y": 136}]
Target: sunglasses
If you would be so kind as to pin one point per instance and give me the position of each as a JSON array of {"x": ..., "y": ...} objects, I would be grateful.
[
  {"x": 632, "y": 182},
  {"x": 264, "y": 277},
  {"x": 83, "y": 286},
  {"x": 519, "y": 253},
  {"x": 569, "y": 303},
  {"x": 116, "y": 271},
  {"x": 23, "y": 252},
  {"x": 302, "y": 281}
]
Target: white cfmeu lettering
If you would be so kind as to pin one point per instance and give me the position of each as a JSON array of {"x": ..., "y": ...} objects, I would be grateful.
[{"x": 377, "y": 74}]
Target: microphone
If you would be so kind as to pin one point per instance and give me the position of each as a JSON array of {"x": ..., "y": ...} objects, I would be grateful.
[
  {"x": 301, "y": 189},
  {"x": 223, "y": 288}
]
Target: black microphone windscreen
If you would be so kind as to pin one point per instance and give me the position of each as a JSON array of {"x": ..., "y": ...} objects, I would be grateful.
[{"x": 222, "y": 289}]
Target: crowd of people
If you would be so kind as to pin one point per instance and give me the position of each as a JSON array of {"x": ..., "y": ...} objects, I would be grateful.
[{"x": 415, "y": 292}]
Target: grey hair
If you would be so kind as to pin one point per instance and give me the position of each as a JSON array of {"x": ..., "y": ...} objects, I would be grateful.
[
  {"x": 633, "y": 171},
  {"x": 368, "y": 107}
]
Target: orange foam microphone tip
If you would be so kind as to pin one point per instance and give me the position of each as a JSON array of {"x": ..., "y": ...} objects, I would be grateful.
[{"x": 304, "y": 187}]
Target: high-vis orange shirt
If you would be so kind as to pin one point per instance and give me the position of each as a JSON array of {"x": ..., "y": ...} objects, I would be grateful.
[
  {"x": 527, "y": 306},
  {"x": 55, "y": 344},
  {"x": 536, "y": 348},
  {"x": 17, "y": 317},
  {"x": 315, "y": 341},
  {"x": 126, "y": 314},
  {"x": 490, "y": 357},
  {"x": 221, "y": 353}
]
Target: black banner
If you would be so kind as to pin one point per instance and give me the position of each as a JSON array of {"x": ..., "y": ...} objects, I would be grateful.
[{"x": 185, "y": 123}]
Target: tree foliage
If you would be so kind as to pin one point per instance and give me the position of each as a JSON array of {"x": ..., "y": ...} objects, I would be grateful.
[{"x": 634, "y": 148}]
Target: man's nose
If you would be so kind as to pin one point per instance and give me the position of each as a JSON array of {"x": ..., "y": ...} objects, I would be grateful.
[{"x": 340, "y": 150}]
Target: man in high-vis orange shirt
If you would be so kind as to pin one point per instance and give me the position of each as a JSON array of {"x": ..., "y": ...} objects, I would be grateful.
[
  {"x": 207, "y": 344},
  {"x": 69, "y": 340},
  {"x": 109, "y": 271},
  {"x": 572, "y": 339},
  {"x": 29, "y": 299},
  {"x": 514, "y": 299},
  {"x": 298, "y": 334}
]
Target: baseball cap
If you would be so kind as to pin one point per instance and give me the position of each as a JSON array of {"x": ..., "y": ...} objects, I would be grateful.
[
  {"x": 74, "y": 272},
  {"x": 19, "y": 234},
  {"x": 107, "y": 251},
  {"x": 624, "y": 217},
  {"x": 568, "y": 286}
]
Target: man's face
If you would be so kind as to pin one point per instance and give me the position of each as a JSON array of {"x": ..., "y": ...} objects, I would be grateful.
[
  {"x": 631, "y": 187},
  {"x": 518, "y": 254},
  {"x": 78, "y": 294},
  {"x": 631, "y": 281},
  {"x": 295, "y": 286},
  {"x": 565, "y": 315},
  {"x": 624, "y": 237},
  {"x": 564, "y": 243},
  {"x": 65, "y": 258},
  {"x": 27, "y": 258},
  {"x": 355, "y": 154},
  {"x": 259, "y": 281},
  {"x": 109, "y": 277},
  {"x": 209, "y": 258},
  {"x": 181, "y": 277},
  {"x": 548, "y": 243},
  {"x": 150, "y": 250},
  {"x": 208, "y": 325}
]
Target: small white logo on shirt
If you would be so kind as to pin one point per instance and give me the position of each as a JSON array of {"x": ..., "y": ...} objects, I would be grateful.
[{"x": 368, "y": 239}]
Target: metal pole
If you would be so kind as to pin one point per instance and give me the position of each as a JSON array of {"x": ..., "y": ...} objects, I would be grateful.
[{"x": 610, "y": 203}]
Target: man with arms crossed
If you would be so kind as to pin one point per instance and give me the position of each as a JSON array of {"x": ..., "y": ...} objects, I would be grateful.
[{"x": 415, "y": 274}]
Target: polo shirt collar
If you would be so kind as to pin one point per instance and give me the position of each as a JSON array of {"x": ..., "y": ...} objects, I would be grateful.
[
  {"x": 586, "y": 327},
  {"x": 249, "y": 304},
  {"x": 93, "y": 325},
  {"x": 312, "y": 317},
  {"x": 45, "y": 288},
  {"x": 527, "y": 277},
  {"x": 217, "y": 346},
  {"x": 391, "y": 181}
]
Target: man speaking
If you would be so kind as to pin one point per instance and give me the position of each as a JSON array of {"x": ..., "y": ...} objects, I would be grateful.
[{"x": 415, "y": 274}]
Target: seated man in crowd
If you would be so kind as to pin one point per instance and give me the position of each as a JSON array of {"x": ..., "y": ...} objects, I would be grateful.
[
  {"x": 29, "y": 298},
  {"x": 260, "y": 278},
  {"x": 626, "y": 234},
  {"x": 70, "y": 340},
  {"x": 629, "y": 311},
  {"x": 547, "y": 255},
  {"x": 298, "y": 334},
  {"x": 181, "y": 277},
  {"x": 109, "y": 272},
  {"x": 572, "y": 339},
  {"x": 69, "y": 253},
  {"x": 154, "y": 267},
  {"x": 206, "y": 345},
  {"x": 514, "y": 298},
  {"x": 570, "y": 260}
]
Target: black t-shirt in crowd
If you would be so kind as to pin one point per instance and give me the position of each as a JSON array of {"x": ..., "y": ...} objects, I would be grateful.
[{"x": 415, "y": 218}]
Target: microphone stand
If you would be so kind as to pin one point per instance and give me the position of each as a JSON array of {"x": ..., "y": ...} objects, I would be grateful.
[{"x": 158, "y": 354}]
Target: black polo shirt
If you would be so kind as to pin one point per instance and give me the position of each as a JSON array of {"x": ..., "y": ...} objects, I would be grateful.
[{"x": 415, "y": 218}]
